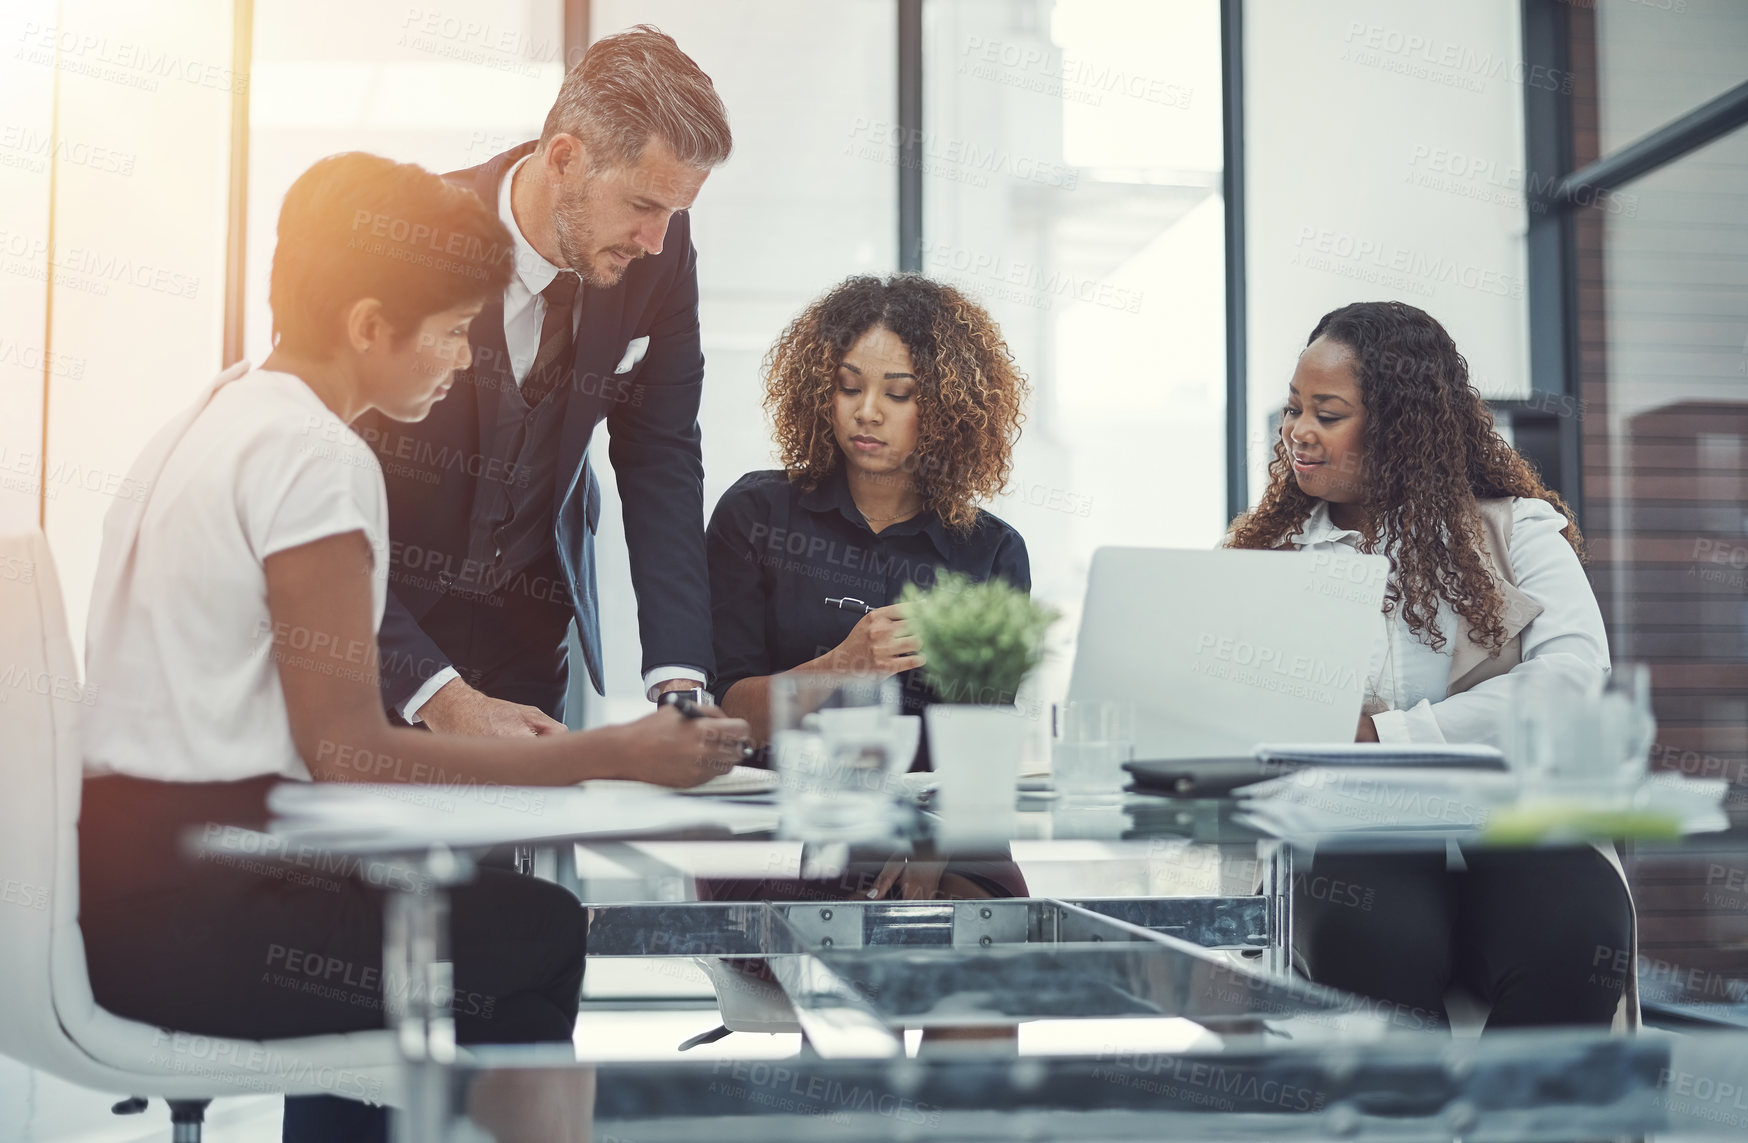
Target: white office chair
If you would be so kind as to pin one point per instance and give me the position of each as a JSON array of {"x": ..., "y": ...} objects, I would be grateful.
[
  {"x": 48, "y": 1018},
  {"x": 745, "y": 1003}
]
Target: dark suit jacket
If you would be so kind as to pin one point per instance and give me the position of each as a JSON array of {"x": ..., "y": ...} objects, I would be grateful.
[{"x": 433, "y": 468}]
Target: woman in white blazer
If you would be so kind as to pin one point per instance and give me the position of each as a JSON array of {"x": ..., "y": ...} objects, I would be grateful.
[{"x": 1385, "y": 446}]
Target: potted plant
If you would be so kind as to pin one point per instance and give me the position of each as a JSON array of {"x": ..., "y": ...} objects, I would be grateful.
[{"x": 979, "y": 642}]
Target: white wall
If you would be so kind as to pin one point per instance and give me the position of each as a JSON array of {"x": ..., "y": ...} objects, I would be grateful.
[
  {"x": 138, "y": 245},
  {"x": 1384, "y": 151}
]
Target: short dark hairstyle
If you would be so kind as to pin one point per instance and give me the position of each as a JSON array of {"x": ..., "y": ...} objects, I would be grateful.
[
  {"x": 634, "y": 86},
  {"x": 361, "y": 226}
]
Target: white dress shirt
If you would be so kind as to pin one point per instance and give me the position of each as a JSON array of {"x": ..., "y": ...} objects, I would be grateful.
[
  {"x": 524, "y": 312},
  {"x": 1566, "y": 639}
]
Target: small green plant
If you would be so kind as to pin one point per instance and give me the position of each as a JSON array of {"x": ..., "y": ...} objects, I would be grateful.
[{"x": 979, "y": 640}]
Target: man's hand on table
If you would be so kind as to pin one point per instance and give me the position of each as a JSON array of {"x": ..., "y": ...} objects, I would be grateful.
[{"x": 457, "y": 708}]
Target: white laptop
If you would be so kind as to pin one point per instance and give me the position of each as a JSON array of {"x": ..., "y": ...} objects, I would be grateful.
[{"x": 1222, "y": 650}]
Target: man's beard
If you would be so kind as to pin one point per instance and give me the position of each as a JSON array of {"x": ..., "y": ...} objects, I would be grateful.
[{"x": 576, "y": 240}]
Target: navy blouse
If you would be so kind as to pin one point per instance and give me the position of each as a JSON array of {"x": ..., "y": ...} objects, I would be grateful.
[{"x": 778, "y": 552}]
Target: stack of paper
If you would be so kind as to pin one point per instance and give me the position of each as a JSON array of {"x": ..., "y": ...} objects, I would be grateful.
[
  {"x": 360, "y": 816},
  {"x": 1379, "y": 804}
]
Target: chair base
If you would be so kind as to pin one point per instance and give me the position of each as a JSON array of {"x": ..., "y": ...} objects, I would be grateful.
[
  {"x": 187, "y": 1116},
  {"x": 187, "y": 1119}
]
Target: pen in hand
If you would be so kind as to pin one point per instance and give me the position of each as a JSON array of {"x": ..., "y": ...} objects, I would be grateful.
[
  {"x": 690, "y": 708},
  {"x": 848, "y": 603}
]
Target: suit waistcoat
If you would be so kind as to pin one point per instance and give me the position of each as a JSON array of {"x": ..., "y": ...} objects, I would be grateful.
[{"x": 511, "y": 524}]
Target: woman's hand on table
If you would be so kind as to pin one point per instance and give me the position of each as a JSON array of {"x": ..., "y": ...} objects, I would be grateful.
[
  {"x": 881, "y": 642},
  {"x": 669, "y": 749}
]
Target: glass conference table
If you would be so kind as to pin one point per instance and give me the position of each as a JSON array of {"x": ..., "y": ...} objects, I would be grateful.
[{"x": 1279, "y": 1057}]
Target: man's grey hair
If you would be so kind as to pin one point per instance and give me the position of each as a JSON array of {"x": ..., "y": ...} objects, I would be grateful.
[{"x": 635, "y": 85}]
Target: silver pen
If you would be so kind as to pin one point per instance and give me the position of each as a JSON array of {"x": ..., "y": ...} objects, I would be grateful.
[{"x": 848, "y": 603}]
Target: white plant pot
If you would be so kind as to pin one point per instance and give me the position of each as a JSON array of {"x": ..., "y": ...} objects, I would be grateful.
[{"x": 976, "y": 753}]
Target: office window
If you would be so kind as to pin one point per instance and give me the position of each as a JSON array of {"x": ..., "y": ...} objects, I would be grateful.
[
  {"x": 133, "y": 242},
  {"x": 1071, "y": 158},
  {"x": 446, "y": 88},
  {"x": 1658, "y": 59},
  {"x": 1385, "y": 162},
  {"x": 1659, "y": 389}
]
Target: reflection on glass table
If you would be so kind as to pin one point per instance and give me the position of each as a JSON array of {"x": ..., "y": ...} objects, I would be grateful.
[
  {"x": 1521, "y": 1086},
  {"x": 856, "y": 975}
]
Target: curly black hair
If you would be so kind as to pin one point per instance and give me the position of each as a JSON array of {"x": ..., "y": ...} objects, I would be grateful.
[{"x": 1430, "y": 452}]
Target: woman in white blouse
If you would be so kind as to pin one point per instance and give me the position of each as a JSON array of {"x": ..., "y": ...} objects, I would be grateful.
[
  {"x": 1385, "y": 446},
  {"x": 232, "y": 642}
]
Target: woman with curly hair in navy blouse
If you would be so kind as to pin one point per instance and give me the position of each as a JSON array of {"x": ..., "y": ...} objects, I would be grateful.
[{"x": 896, "y": 406}]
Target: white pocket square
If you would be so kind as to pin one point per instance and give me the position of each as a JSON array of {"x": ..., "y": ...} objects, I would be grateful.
[{"x": 634, "y": 352}]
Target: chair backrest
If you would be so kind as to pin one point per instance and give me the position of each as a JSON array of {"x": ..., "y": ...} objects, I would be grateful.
[{"x": 41, "y": 952}]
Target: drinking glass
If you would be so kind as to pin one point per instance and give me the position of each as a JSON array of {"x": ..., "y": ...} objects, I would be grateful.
[
  {"x": 832, "y": 738},
  {"x": 1094, "y": 739},
  {"x": 1579, "y": 738},
  {"x": 1627, "y": 725}
]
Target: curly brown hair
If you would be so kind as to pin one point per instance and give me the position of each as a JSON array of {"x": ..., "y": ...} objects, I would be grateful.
[
  {"x": 1430, "y": 452},
  {"x": 969, "y": 391}
]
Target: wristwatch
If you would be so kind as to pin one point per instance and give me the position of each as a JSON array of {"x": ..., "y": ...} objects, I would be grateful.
[{"x": 693, "y": 696}]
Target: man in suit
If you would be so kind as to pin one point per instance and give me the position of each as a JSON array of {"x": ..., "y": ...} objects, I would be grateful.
[{"x": 492, "y": 502}]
